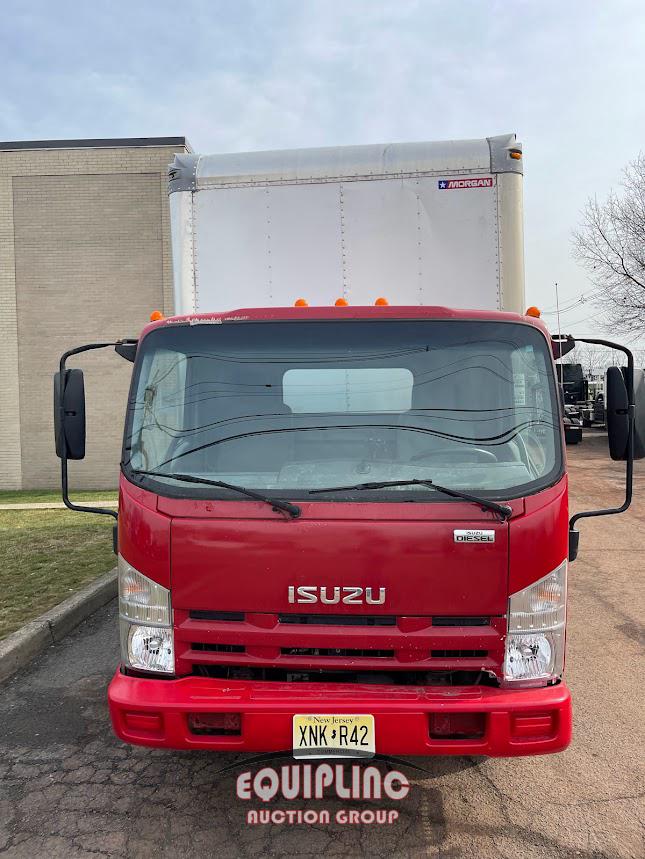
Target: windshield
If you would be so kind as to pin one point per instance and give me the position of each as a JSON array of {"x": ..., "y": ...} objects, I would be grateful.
[{"x": 294, "y": 406}]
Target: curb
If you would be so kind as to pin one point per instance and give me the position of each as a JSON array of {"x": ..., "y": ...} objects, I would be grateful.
[{"x": 19, "y": 648}]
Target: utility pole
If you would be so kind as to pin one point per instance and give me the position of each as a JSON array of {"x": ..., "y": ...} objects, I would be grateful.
[{"x": 557, "y": 307}]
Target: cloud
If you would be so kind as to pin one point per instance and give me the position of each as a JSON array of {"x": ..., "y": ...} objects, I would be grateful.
[{"x": 257, "y": 74}]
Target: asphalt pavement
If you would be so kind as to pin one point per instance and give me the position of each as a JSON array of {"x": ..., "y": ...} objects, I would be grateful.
[{"x": 69, "y": 788}]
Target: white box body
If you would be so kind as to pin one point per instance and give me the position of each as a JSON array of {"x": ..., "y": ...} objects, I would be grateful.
[{"x": 436, "y": 223}]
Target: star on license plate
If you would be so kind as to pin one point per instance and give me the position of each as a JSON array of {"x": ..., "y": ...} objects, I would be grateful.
[{"x": 330, "y": 735}]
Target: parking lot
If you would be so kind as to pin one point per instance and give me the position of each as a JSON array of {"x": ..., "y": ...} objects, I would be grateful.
[{"x": 68, "y": 788}]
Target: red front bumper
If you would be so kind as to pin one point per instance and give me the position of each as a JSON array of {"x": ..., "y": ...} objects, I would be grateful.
[{"x": 153, "y": 712}]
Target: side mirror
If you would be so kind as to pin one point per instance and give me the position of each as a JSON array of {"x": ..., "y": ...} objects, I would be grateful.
[
  {"x": 620, "y": 383},
  {"x": 617, "y": 413},
  {"x": 69, "y": 415},
  {"x": 639, "y": 414}
]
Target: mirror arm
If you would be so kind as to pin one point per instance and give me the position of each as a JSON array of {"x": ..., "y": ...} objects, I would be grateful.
[
  {"x": 574, "y": 535},
  {"x": 63, "y": 460}
]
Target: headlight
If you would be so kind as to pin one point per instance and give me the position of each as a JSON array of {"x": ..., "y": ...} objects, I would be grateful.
[
  {"x": 536, "y": 631},
  {"x": 145, "y": 618},
  {"x": 149, "y": 648}
]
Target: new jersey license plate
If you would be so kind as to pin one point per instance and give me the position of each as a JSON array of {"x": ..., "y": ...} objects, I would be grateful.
[{"x": 333, "y": 736}]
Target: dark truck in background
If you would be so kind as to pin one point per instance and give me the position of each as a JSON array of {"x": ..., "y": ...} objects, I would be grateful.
[{"x": 574, "y": 394}]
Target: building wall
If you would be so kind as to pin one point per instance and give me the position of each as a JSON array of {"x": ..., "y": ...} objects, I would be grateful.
[{"x": 84, "y": 257}]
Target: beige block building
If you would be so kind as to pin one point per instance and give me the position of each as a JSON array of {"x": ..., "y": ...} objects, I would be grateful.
[{"x": 84, "y": 257}]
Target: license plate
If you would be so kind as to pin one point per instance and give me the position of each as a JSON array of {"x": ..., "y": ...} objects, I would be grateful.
[{"x": 333, "y": 736}]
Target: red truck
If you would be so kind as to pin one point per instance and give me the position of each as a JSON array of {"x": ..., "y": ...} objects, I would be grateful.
[{"x": 343, "y": 529}]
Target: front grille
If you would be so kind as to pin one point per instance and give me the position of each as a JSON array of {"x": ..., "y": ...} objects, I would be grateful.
[
  {"x": 458, "y": 654},
  {"x": 218, "y": 648},
  {"x": 468, "y": 620},
  {"x": 382, "y": 678},
  {"x": 216, "y": 615},
  {"x": 339, "y": 648},
  {"x": 336, "y": 651},
  {"x": 338, "y": 620}
]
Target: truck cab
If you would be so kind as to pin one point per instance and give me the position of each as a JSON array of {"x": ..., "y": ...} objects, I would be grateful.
[{"x": 417, "y": 570}]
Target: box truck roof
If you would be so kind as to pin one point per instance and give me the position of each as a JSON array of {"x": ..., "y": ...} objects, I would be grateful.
[{"x": 488, "y": 155}]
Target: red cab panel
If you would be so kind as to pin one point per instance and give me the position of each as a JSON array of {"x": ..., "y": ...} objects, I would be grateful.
[
  {"x": 144, "y": 534},
  {"x": 539, "y": 539},
  {"x": 412, "y": 567}
]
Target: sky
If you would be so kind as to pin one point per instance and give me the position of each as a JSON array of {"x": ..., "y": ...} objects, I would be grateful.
[{"x": 567, "y": 77}]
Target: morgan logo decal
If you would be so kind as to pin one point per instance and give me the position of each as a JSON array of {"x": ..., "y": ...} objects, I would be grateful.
[
  {"x": 452, "y": 184},
  {"x": 473, "y": 536},
  {"x": 334, "y": 595}
]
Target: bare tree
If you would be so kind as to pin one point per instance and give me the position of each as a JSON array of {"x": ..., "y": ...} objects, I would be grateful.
[
  {"x": 610, "y": 244},
  {"x": 639, "y": 357},
  {"x": 594, "y": 359}
]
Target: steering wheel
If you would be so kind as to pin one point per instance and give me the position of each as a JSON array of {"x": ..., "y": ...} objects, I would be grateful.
[{"x": 457, "y": 455}]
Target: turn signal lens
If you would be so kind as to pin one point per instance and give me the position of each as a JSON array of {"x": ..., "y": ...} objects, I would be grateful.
[
  {"x": 140, "y": 599},
  {"x": 533, "y": 311},
  {"x": 516, "y": 154},
  {"x": 542, "y": 605},
  {"x": 341, "y": 302},
  {"x": 156, "y": 315},
  {"x": 301, "y": 302},
  {"x": 381, "y": 302}
]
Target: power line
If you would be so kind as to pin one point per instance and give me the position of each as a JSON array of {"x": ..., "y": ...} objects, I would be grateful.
[
  {"x": 579, "y": 297},
  {"x": 567, "y": 307},
  {"x": 581, "y": 321}
]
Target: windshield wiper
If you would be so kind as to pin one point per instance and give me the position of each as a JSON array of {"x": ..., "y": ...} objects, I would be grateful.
[
  {"x": 292, "y": 509},
  {"x": 502, "y": 510}
]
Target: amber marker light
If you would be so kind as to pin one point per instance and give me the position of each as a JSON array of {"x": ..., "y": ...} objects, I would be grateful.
[
  {"x": 533, "y": 311},
  {"x": 381, "y": 302},
  {"x": 156, "y": 315},
  {"x": 301, "y": 302},
  {"x": 341, "y": 302},
  {"x": 516, "y": 154}
]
